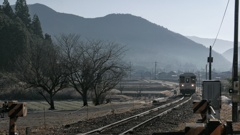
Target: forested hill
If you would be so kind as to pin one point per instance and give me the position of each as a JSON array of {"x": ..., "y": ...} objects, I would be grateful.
[
  {"x": 17, "y": 31},
  {"x": 146, "y": 42}
]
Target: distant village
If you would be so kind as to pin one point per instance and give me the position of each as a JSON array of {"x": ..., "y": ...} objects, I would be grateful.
[{"x": 173, "y": 75}]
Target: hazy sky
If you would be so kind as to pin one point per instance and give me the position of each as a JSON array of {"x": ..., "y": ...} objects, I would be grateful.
[{"x": 199, "y": 18}]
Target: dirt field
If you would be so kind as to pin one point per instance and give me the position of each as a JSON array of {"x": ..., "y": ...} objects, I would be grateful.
[{"x": 41, "y": 122}]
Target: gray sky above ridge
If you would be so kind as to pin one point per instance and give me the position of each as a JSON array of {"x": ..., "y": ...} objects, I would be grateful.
[{"x": 199, "y": 18}]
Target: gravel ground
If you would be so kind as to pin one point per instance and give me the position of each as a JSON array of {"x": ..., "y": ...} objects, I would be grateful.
[
  {"x": 41, "y": 123},
  {"x": 173, "y": 121},
  {"x": 168, "y": 122},
  {"x": 84, "y": 126}
]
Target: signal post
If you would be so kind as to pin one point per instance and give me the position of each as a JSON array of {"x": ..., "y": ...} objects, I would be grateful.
[{"x": 15, "y": 109}]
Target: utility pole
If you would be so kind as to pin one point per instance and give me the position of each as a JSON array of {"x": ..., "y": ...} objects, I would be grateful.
[
  {"x": 130, "y": 76},
  {"x": 210, "y": 60},
  {"x": 235, "y": 64},
  {"x": 206, "y": 71},
  {"x": 155, "y": 71}
]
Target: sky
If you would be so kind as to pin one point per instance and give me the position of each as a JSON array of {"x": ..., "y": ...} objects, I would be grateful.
[{"x": 201, "y": 18}]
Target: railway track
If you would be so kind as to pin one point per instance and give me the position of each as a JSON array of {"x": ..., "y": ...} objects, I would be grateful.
[{"x": 129, "y": 124}]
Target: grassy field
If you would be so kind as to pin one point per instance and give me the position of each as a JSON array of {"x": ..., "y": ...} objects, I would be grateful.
[
  {"x": 66, "y": 105},
  {"x": 41, "y": 120},
  {"x": 135, "y": 85},
  {"x": 59, "y": 105}
]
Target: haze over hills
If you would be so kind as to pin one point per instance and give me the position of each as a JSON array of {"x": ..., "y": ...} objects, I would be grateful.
[
  {"x": 146, "y": 42},
  {"x": 220, "y": 46},
  {"x": 229, "y": 54}
]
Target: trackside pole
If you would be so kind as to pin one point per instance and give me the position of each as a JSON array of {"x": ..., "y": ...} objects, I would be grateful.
[
  {"x": 235, "y": 65},
  {"x": 210, "y": 60},
  {"x": 12, "y": 125}
]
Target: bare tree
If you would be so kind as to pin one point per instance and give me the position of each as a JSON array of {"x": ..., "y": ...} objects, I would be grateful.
[
  {"x": 72, "y": 55},
  {"x": 110, "y": 72},
  {"x": 41, "y": 68},
  {"x": 121, "y": 87},
  {"x": 87, "y": 62},
  {"x": 109, "y": 79}
]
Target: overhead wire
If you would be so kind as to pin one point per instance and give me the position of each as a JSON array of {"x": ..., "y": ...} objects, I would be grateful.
[{"x": 221, "y": 24}]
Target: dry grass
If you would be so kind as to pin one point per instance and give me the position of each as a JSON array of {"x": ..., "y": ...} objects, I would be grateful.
[
  {"x": 68, "y": 112},
  {"x": 59, "y": 105},
  {"x": 226, "y": 115},
  {"x": 226, "y": 112}
]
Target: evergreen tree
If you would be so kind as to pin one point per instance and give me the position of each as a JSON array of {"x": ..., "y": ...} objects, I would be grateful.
[
  {"x": 7, "y": 9},
  {"x": 1, "y": 9},
  {"x": 48, "y": 38},
  {"x": 36, "y": 26},
  {"x": 21, "y": 10},
  {"x": 13, "y": 41}
]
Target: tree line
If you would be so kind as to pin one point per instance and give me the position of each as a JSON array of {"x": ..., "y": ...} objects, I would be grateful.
[{"x": 91, "y": 67}]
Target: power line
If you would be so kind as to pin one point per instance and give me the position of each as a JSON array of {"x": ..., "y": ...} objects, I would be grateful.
[{"x": 221, "y": 24}]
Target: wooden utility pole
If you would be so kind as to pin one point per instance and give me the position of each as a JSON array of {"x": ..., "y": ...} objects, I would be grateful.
[
  {"x": 210, "y": 60},
  {"x": 235, "y": 63}
]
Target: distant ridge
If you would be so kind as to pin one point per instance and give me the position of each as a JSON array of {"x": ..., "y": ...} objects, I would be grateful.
[
  {"x": 220, "y": 45},
  {"x": 229, "y": 54},
  {"x": 146, "y": 42}
]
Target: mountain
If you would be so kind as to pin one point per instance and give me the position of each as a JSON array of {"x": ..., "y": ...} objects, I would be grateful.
[
  {"x": 220, "y": 45},
  {"x": 146, "y": 42},
  {"x": 229, "y": 54}
]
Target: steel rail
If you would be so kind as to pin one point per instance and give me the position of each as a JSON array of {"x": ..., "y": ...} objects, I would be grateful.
[
  {"x": 130, "y": 118},
  {"x": 154, "y": 117}
]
